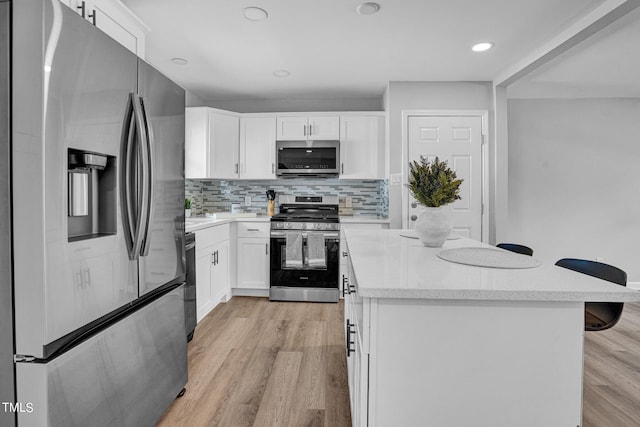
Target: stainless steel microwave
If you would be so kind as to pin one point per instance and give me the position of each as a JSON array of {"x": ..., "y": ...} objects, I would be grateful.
[{"x": 307, "y": 158}]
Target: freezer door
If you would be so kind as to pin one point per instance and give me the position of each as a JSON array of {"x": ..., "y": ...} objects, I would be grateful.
[
  {"x": 163, "y": 259},
  {"x": 84, "y": 79},
  {"x": 127, "y": 375}
]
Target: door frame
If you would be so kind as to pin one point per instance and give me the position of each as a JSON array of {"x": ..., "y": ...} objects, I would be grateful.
[{"x": 484, "y": 130}]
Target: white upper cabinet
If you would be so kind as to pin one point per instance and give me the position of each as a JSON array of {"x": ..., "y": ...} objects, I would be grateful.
[
  {"x": 362, "y": 147},
  {"x": 211, "y": 143},
  {"x": 116, "y": 20},
  {"x": 257, "y": 147},
  {"x": 296, "y": 128}
]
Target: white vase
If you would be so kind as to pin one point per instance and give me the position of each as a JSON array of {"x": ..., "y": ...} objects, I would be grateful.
[
  {"x": 187, "y": 213},
  {"x": 433, "y": 225}
]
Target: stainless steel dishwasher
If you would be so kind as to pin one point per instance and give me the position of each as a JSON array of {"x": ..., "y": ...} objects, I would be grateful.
[{"x": 190, "y": 288}]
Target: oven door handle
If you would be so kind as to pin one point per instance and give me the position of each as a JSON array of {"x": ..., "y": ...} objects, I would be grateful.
[{"x": 281, "y": 234}]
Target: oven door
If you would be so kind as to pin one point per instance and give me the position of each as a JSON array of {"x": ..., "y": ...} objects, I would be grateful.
[
  {"x": 295, "y": 158},
  {"x": 305, "y": 275}
]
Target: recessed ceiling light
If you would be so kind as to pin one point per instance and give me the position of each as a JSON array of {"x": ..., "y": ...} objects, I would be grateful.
[
  {"x": 368, "y": 8},
  {"x": 281, "y": 73},
  {"x": 255, "y": 14},
  {"x": 482, "y": 47},
  {"x": 179, "y": 61}
]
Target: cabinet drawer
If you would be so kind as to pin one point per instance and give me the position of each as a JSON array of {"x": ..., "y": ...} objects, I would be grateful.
[
  {"x": 253, "y": 229},
  {"x": 208, "y": 237}
]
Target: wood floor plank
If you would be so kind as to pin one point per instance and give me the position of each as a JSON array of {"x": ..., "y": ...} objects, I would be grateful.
[{"x": 276, "y": 407}]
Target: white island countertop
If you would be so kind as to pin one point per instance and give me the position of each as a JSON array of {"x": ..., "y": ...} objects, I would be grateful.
[{"x": 387, "y": 265}]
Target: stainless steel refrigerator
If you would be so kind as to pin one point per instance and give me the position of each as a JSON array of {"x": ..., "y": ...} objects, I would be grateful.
[{"x": 95, "y": 228}]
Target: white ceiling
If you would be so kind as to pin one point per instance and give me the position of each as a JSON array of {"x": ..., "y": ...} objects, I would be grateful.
[
  {"x": 332, "y": 52},
  {"x": 605, "y": 65}
]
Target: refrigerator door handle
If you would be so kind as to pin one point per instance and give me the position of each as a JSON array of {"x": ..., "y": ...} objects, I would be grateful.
[
  {"x": 143, "y": 168},
  {"x": 127, "y": 178},
  {"x": 149, "y": 178}
]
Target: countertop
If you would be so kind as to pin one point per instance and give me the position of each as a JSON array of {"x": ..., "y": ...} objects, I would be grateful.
[
  {"x": 195, "y": 223},
  {"x": 365, "y": 219},
  {"x": 387, "y": 265}
]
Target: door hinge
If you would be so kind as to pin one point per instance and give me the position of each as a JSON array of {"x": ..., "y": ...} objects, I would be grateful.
[{"x": 23, "y": 358}]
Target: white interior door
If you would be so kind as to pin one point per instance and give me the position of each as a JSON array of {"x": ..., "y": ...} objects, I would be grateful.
[{"x": 458, "y": 140}]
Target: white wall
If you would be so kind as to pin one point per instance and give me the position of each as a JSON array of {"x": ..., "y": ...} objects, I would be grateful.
[
  {"x": 574, "y": 179},
  {"x": 425, "y": 96},
  {"x": 192, "y": 100}
]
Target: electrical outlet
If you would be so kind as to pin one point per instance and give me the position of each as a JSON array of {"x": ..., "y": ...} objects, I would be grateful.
[{"x": 247, "y": 200}]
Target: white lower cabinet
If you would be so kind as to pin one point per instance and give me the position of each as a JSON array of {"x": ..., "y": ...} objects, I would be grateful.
[
  {"x": 212, "y": 268},
  {"x": 253, "y": 255},
  {"x": 253, "y": 263},
  {"x": 357, "y": 330}
]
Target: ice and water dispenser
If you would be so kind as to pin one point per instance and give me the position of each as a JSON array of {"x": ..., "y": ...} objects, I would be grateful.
[{"x": 91, "y": 195}]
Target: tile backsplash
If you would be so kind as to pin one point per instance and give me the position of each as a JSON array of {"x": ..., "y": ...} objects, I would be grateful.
[{"x": 369, "y": 197}]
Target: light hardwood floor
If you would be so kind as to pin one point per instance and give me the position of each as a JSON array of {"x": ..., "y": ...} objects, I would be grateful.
[{"x": 258, "y": 363}]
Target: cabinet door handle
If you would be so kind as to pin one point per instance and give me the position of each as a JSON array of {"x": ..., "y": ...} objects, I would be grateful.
[
  {"x": 345, "y": 254},
  {"x": 341, "y": 167},
  {"x": 305, "y": 130},
  {"x": 344, "y": 286},
  {"x": 349, "y": 331},
  {"x": 236, "y": 169},
  {"x": 83, "y": 8},
  {"x": 213, "y": 258},
  {"x": 273, "y": 168},
  {"x": 93, "y": 17},
  {"x": 414, "y": 217},
  {"x": 414, "y": 205},
  {"x": 253, "y": 229},
  {"x": 266, "y": 249},
  {"x": 310, "y": 131}
]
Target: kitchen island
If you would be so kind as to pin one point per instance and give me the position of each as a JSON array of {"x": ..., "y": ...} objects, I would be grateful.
[{"x": 432, "y": 342}]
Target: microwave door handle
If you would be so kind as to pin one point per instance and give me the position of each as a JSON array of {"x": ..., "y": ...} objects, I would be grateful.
[
  {"x": 148, "y": 180},
  {"x": 143, "y": 167},
  {"x": 128, "y": 191}
]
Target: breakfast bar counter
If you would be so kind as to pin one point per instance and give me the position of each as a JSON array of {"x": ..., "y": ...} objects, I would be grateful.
[{"x": 435, "y": 342}]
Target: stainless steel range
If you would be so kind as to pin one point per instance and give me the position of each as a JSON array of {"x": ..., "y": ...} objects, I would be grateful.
[{"x": 305, "y": 247}]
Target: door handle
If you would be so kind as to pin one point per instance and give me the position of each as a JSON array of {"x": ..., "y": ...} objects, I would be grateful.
[
  {"x": 83, "y": 8},
  {"x": 127, "y": 188},
  {"x": 348, "y": 334},
  {"x": 148, "y": 177}
]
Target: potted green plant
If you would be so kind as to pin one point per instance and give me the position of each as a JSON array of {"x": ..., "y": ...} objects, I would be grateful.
[
  {"x": 187, "y": 207},
  {"x": 434, "y": 186}
]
